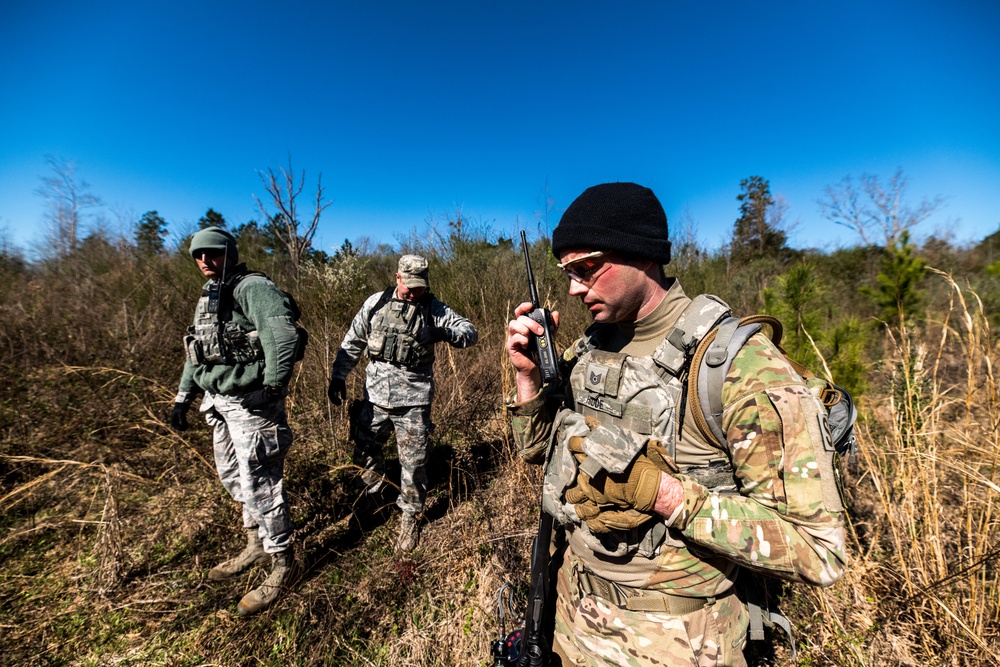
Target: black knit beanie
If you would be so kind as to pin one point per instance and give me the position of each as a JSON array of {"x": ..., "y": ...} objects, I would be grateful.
[{"x": 625, "y": 218}]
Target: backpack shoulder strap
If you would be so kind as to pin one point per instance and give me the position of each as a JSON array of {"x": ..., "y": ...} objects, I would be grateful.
[
  {"x": 710, "y": 364},
  {"x": 236, "y": 280},
  {"x": 698, "y": 319},
  {"x": 257, "y": 277},
  {"x": 382, "y": 300},
  {"x": 425, "y": 304}
]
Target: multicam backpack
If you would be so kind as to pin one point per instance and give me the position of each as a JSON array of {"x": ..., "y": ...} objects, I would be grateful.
[
  {"x": 709, "y": 364},
  {"x": 714, "y": 355}
]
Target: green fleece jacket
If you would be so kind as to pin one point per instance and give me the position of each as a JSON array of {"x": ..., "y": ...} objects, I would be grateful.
[{"x": 258, "y": 305}]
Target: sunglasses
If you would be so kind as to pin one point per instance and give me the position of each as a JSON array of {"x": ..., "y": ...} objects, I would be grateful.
[
  {"x": 585, "y": 269},
  {"x": 208, "y": 253}
]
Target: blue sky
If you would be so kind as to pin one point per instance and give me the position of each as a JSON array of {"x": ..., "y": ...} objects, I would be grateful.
[{"x": 412, "y": 111}]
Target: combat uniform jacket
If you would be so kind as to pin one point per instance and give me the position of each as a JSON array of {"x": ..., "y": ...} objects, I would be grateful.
[
  {"x": 391, "y": 384},
  {"x": 259, "y": 338},
  {"x": 774, "y": 513}
]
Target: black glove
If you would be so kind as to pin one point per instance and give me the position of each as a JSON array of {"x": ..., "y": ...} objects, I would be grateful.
[
  {"x": 430, "y": 335},
  {"x": 337, "y": 391},
  {"x": 256, "y": 400},
  {"x": 178, "y": 416}
]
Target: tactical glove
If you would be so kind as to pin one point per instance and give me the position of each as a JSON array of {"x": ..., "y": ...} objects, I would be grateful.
[
  {"x": 604, "y": 509},
  {"x": 657, "y": 453},
  {"x": 430, "y": 335},
  {"x": 635, "y": 488},
  {"x": 603, "y": 520},
  {"x": 261, "y": 398},
  {"x": 178, "y": 416},
  {"x": 337, "y": 391}
]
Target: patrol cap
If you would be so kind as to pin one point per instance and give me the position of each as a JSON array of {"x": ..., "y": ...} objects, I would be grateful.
[
  {"x": 215, "y": 238},
  {"x": 413, "y": 270}
]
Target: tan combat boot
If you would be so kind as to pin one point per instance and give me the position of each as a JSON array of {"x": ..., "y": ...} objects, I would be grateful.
[
  {"x": 409, "y": 533},
  {"x": 252, "y": 555},
  {"x": 261, "y": 597}
]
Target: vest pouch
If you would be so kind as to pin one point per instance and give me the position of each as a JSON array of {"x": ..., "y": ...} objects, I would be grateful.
[
  {"x": 376, "y": 343},
  {"x": 192, "y": 346},
  {"x": 389, "y": 348},
  {"x": 403, "y": 354},
  {"x": 209, "y": 343},
  {"x": 241, "y": 346},
  {"x": 413, "y": 353},
  {"x": 611, "y": 449}
]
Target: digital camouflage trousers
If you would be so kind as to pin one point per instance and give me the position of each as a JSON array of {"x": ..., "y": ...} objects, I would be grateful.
[
  {"x": 412, "y": 426},
  {"x": 250, "y": 449}
]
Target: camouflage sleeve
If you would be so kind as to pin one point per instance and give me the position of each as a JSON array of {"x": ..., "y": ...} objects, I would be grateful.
[
  {"x": 355, "y": 340},
  {"x": 785, "y": 521},
  {"x": 532, "y": 420},
  {"x": 461, "y": 332},
  {"x": 531, "y": 423}
]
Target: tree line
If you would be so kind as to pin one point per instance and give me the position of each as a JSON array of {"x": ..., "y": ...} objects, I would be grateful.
[
  {"x": 832, "y": 301},
  {"x": 106, "y": 511}
]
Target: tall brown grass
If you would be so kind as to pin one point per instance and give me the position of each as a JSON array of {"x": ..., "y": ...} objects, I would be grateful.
[
  {"x": 923, "y": 583},
  {"x": 109, "y": 520}
]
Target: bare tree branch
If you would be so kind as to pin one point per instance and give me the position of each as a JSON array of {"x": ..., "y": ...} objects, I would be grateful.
[
  {"x": 67, "y": 201},
  {"x": 285, "y": 224},
  {"x": 877, "y": 210}
]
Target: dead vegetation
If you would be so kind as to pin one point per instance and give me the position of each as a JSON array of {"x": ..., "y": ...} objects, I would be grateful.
[{"x": 109, "y": 521}]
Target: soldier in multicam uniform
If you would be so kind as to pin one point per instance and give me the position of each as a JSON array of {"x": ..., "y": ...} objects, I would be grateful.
[
  {"x": 660, "y": 522},
  {"x": 241, "y": 351},
  {"x": 398, "y": 328}
]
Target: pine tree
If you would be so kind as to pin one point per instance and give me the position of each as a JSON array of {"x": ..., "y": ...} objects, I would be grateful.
[
  {"x": 754, "y": 236},
  {"x": 795, "y": 300},
  {"x": 212, "y": 218},
  {"x": 149, "y": 233},
  {"x": 897, "y": 294}
]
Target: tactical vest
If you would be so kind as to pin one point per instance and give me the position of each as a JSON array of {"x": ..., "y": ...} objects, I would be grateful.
[
  {"x": 393, "y": 327},
  {"x": 635, "y": 399},
  {"x": 217, "y": 335}
]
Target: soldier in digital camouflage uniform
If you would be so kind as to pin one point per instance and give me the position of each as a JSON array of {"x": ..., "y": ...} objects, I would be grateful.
[
  {"x": 398, "y": 328},
  {"x": 661, "y": 525},
  {"x": 241, "y": 351}
]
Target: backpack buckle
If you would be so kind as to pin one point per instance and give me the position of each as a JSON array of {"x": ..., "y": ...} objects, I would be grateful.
[{"x": 831, "y": 396}]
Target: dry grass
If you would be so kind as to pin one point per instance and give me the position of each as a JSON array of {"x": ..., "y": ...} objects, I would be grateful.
[
  {"x": 109, "y": 521},
  {"x": 924, "y": 583}
]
